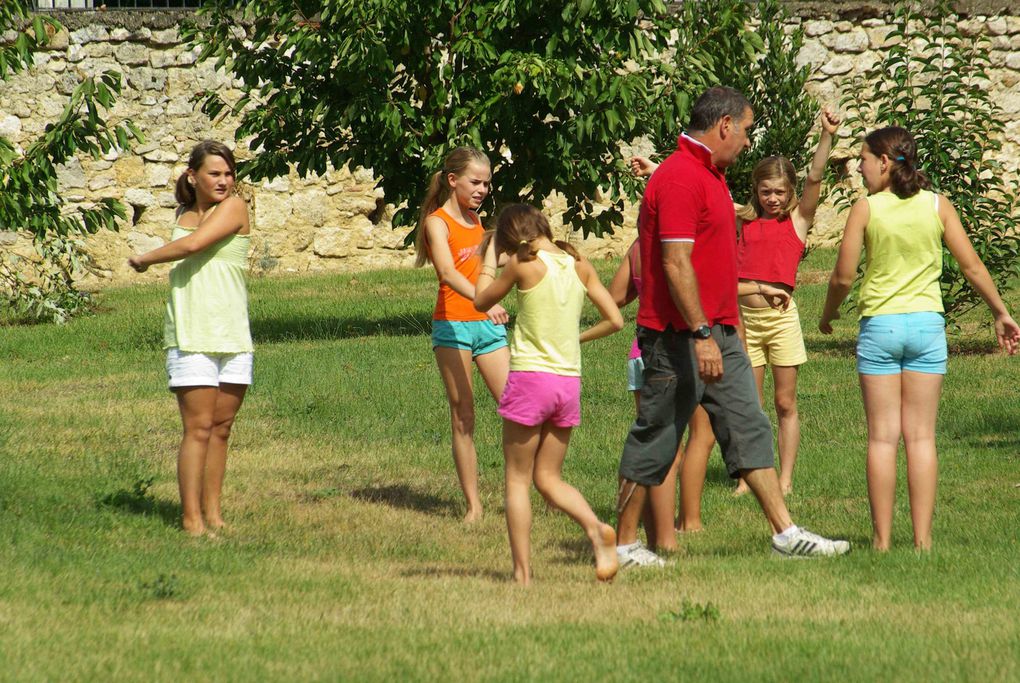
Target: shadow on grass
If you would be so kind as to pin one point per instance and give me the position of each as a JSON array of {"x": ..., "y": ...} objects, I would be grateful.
[
  {"x": 831, "y": 346},
  {"x": 404, "y": 497},
  {"x": 136, "y": 501},
  {"x": 437, "y": 572},
  {"x": 318, "y": 327},
  {"x": 997, "y": 430}
]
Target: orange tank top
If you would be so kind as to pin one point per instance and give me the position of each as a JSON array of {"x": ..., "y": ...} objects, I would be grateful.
[{"x": 463, "y": 242}]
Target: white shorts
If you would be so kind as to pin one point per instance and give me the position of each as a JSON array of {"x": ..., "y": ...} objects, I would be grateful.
[{"x": 188, "y": 369}]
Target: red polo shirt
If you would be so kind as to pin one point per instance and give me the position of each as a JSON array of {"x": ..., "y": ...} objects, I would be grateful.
[{"x": 687, "y": 200}]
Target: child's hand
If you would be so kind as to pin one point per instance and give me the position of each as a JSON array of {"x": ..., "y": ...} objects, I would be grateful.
[
  {"x": 825, "y": 325},
  {"x": 830, "y": 122},
  {"x": 777, "y": 298},
  {"x": 641, "y": 167},
  {"x": 1008, "y": 334},
  {"x": 135, "y": 263},
  {"x": 498, "y": 315}
]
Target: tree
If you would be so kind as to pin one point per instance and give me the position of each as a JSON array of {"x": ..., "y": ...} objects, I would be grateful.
[
  {"x": 29, "y": 197},
  {"x": 548, "y": 89},
  {"x": 931, "y": 80}
]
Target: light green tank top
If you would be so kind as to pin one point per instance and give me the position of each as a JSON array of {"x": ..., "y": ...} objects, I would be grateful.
[
  {"x": 902, "y": 255},
  {"x": 547, "y": 330},
  {"x": 207, "y": 311}
]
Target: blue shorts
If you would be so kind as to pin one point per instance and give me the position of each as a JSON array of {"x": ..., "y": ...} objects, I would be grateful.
[
  {"x": 477, "y": 336},
  {"x": 889, "y": 344}
]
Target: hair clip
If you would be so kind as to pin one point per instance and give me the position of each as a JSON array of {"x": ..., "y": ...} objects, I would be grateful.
[
  {"x": 523, "y": 242},
  {"x": 901, "y": 158}
]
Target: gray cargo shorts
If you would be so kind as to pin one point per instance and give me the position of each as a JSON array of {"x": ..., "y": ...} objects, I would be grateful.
[{"x": 671, "y": 392}]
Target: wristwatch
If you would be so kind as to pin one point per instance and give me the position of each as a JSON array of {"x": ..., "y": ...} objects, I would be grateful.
[{"x": 703, "y": 332}]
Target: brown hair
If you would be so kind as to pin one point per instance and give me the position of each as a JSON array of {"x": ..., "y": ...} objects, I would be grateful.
[
  {"x": 456, "y": 162},
  {"x": 517, "y": 227},
  {"x": 184, "y": 193},
  {"x": 771, "y": 168},
  {"x": 905, "y": 178}
]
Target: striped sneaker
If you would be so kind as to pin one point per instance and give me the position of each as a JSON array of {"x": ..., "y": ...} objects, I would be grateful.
[
  {"x": 637, "y": 555},
  {"x": 803, "y": 543}
]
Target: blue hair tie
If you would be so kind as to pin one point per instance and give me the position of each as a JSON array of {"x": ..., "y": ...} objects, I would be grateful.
[{"x": 901, "y": 158}]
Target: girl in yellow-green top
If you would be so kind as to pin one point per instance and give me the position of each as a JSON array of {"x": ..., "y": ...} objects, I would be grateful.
[
  {"x": 901, "y": 349},
  {"x": 542, "y": 399},
  {"x": 206, "y": 333}
]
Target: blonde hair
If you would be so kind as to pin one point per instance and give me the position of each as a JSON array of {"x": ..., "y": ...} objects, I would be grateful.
[
  {"x": 456, "y": 162},
  {"x": 517, "y": 227},
  {"x": 771, "y": 168}
]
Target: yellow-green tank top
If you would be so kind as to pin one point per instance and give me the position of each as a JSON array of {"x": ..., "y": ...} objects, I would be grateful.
[
  {"x": 207, "y": 310},
  {"x": 902, "y": 255},
  {"x": 547, "y": 330}
]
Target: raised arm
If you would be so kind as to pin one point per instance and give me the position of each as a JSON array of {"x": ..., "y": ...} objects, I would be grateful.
[
  {"x": 804, "y": 215},
  {"x": 642, "y": 166},
  {"x": 491, "y": 288},
  {"x": 612, "y": 320},
  {"x": 228, "y": 218},
  {"x": 846, "y": 264},
  {"x": 955, "y": 237}
]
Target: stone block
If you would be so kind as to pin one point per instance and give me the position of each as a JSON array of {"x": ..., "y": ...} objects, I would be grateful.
[
  {"x": 817, "y": 27},
  {"x": 273, "y": 212},
  {"x": 71, "y": 174},
  {"x": 168, "y": 36},
  {"x": 8, "y": 238},
  {"x": 145, "y": 78},
  {"x": 277, "y": 184},
  {"x": 10, "y": 127},
  {"x": 157, "y": 175},
  {"x": 129, "y": 171},
  {"x": 160, "y": 59},
  {"x": 996, "y": 26},
  {"x": 852, "y": 41},
  {"x": 813, "y": 55},
  {"x": 838, "y": 65},
  {"x": 167, "y": 200},
  {"x": 137, "y": 197},
  {"x": 59, "y": 40},
  {"x": 67, "y": 83},
  {"x": 1012, "y": 61},
  {"x": 132, "y": 54},
  {"x": 89, "y": 34},
  {"x": 75, "y": 53},
  {"x": 331, "y": 243},
  {"x": 101, "y": 181},
  {"x": 160, "y": 155},
  {"x": 139, "y": 242}
]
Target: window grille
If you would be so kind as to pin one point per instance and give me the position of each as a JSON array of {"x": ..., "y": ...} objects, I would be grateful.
[{"x": 50, "y": 5}]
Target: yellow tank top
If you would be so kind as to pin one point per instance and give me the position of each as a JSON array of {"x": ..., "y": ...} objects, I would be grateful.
[
  {"x": 207, "y": 310},
  {"x": 902, "y": 255},
  {"x": 547, "y": 330}
]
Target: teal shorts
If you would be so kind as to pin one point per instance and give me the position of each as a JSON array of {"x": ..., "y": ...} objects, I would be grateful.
[
  {"x": 477, "y": 336},
  {"x": 889, "y": 344}
]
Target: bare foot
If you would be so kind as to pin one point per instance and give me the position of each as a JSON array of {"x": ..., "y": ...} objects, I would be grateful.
[
  {"x": 193, "y": 529},
  {"x": 522, "y": 577},
  {"x": 216, "y": 524},
  {"x": 741, "y": 490},
  {"x": 690, "y": 528},
  {"x": 606, "y": 561},
  {"x": 786, "y": 488},
  {"x": 473, "y": 516}
]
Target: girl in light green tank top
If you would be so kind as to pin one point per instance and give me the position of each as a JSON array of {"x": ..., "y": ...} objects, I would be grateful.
[
  {"x": 901, "y": 226},
  {"x": 206, "y": 331},
  {"x": 541, "y": 402}
]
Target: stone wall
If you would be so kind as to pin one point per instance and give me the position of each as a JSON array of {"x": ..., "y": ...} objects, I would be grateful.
[{"x": 340, "y": 222}]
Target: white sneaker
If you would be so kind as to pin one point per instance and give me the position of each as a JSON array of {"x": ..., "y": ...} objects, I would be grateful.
[
  {"x": 637, "y": 555},
  {"x": 803, "y": 543}
]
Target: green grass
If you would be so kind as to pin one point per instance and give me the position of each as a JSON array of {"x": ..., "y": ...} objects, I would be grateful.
[{"x": 347, "y": 561}]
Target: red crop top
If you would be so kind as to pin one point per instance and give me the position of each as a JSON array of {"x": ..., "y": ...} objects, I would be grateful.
[{"x": 769, "y": 250}]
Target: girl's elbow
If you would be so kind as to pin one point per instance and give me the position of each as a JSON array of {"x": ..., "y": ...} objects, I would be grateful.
[{"x": 616, "y": 322}]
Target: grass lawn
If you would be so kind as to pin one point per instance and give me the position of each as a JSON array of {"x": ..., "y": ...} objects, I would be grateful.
[{"x": 346, "y": 558}]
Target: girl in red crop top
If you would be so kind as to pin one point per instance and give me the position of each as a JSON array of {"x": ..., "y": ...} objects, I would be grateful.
[
  {"x": 448, "y": 236},
  {"x": 772, "y": 231}
]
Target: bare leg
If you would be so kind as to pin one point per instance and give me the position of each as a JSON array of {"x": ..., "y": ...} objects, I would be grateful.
[
  {"x": 494, "y": 368},
  {"x": 660, "y": 510},
  {"x": 520, "y": 444},
  {"x": 920, "y": 406},
  {"x": 552, "y": 450},
  {"x": 630, "y": 502},
  {"x": 759, "y": 380},
  {"x": 764, "y": 484},
  {"x": 881, "y": 395},
  {"x": 455, "y": 369},
  {"x": 785, "y": 378},
  {"x": 228, "y": 402},
  {"x": 700, "y": 440},
  {"x": 197, "y": 406}
]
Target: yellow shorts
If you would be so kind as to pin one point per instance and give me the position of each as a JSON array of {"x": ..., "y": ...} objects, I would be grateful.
[{"x": 774, "y": 337}]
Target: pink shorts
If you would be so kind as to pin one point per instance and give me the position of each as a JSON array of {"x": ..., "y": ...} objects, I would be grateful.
[{"x": 533, "y": 398}]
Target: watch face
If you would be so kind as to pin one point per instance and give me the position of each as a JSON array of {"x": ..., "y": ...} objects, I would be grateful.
[{"x": 703, "y": 332}]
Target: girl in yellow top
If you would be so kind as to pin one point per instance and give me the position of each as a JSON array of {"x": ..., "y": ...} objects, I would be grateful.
[
  {"x": 901, "y": 349},
  {"x": 542, "y": 400},
  {"x": 448, "y": 236},
  {"x": 206, "y": 333}
]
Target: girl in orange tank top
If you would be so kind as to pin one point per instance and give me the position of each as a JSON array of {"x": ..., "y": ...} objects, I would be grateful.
[{"x": 448, "y": 236}]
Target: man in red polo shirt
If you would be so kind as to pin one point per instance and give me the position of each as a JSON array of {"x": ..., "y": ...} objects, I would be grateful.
[{"x": 687, "y": 323}]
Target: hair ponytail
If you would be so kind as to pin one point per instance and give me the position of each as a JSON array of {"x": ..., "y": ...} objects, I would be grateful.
[
  {"x": 518, "y": 226},
  {"x": 897, "y": 145},
  {"x": 456, "y": 162}
]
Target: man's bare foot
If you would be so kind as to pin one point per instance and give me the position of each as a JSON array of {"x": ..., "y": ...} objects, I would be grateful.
[
  {"x": 473, "y": 516},
  {"x": 607, "y": 563},
  {"x": 741, "y": 490}
]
